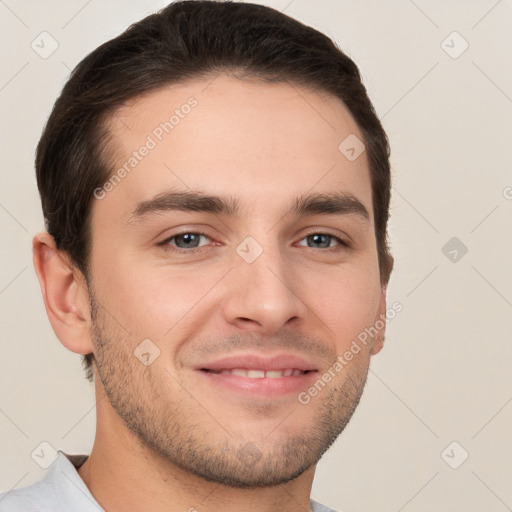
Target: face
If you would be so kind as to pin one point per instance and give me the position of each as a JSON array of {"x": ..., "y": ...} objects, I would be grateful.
[{"x": 233, "y": 263}]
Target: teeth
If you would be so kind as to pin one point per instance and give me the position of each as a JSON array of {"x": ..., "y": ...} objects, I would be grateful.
[
  {"x": 261, "y": 374},
  {"x": 274, "y": 374},
  {"x": 255, "y": 374}
]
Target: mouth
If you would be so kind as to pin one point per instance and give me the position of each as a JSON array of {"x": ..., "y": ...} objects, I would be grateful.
[
  {"x": 252, "y": 374},
  {"x": 259, "y": 373}
]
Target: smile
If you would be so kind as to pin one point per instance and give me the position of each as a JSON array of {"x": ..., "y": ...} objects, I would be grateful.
[{"x": 260, "y": 374}]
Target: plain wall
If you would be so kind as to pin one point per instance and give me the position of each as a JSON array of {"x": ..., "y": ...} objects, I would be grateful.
[{"x": 444, "y": 374}]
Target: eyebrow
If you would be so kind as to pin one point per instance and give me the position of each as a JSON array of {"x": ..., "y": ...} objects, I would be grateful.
[{"x": 307, "y": 204}]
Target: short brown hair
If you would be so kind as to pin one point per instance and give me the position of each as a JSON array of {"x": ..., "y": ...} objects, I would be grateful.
[{"x": 187, "y": 40}]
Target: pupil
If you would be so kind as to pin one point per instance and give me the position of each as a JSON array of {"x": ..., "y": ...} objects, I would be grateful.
[
  {"x": 188, "y": 239},
  {"x": 318, "y": 239}
]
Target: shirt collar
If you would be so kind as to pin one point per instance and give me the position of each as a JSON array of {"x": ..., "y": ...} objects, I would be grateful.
[{"x": 71, "y": 490}]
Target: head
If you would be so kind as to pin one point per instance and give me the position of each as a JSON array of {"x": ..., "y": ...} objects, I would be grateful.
[{"x": 177, "y": 172}]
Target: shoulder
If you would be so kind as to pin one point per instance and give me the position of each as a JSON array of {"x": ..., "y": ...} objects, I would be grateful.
[
  {"x": 38, "y": 497},
  {"x": 318, "y": 507},
  {"x": 61, "y": 487}
]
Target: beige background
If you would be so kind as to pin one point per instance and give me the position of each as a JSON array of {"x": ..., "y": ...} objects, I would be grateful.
[{"x": 444, "y": 374}]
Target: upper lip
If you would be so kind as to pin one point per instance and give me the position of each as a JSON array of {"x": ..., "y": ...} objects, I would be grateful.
[{"x": 259, "y": 362}]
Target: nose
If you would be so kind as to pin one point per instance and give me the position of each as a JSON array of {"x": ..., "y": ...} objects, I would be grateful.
[{"x": 263, "y": 296}]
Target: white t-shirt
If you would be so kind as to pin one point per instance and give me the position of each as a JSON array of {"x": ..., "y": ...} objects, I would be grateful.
[{"x": 62, "y": 490}]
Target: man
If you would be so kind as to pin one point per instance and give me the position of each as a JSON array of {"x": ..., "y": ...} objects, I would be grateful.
[{"x": 215, "y": 185}]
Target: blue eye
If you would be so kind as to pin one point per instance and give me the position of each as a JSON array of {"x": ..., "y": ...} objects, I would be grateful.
[
  {"x": 323, "y": 240},
  {"x": 189, "y": 240}
]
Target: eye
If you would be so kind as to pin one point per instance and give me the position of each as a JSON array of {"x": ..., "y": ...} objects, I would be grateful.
[
  {"x": 323, "y": 241},
  {"x": 184, "y": 241},
  {"x": 190, "y": 241}
]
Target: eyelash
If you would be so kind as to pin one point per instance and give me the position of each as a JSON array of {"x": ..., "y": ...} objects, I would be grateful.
[{"x": 168, "y": 247}]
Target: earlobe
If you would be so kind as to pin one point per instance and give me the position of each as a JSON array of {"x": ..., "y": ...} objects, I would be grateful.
[{"x": 65, "y": 294}]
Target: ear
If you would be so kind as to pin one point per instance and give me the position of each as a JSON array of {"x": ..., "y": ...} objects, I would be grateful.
[
  {"x": 380, "y": 319},
  {"x": 65, "y": 294}
]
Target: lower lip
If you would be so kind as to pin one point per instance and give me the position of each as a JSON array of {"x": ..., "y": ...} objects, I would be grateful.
[{"x": 264, "y": 386}]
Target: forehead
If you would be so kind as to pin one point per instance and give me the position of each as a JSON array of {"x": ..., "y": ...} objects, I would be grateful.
[{"x": 252, "y": 140}]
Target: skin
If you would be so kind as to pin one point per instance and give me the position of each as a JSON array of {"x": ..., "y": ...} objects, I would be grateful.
[{"x": 167, "y": 438}]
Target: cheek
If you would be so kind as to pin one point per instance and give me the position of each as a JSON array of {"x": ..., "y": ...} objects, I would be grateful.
[
  {"x": 154, "y": 302},
  {"x": 346, "y": 303}
]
